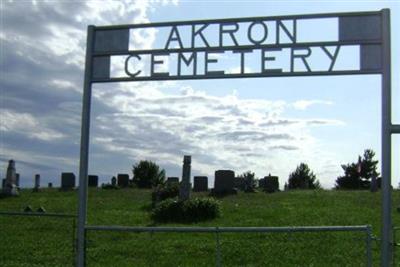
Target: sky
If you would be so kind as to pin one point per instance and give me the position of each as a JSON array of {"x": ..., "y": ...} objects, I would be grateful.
[{"x": 265, "y": 125}]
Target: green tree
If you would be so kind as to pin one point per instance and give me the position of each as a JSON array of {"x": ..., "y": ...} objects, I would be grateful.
[
  {"x": 147, "y": 174},
  {"x": 249, "y": 181},
  {"x": 358, "y": 175},
  {"x": 303, "y": 178}
]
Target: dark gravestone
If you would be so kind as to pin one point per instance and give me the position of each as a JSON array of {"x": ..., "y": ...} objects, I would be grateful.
[
  {"x": 172, "y": 180},
  {"x": 113, "y": 181},
  {"x": 67, "y": 180},
  {"x": 123, "y": 180},
  {"x": 261, "y": 183},
  {"x": 200, "y": 183},
  {"x": 239, "y": 183},
  {"x": 184, "y": 189},
  {"x": 17, "y": 179},
  {"x": 374, "y": 184},
  {"x": 50, "y": 185},
  {"x": 10, "y": 187},
  {"x": 224, "y": 182},
  {"x": 93, "y": 180},
  {"x": 3, "y": 182},
  {"x": 271, "y": 184},
  {"x": 37, "y": 183}
]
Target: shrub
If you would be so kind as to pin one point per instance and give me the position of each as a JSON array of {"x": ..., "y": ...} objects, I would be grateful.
[
  {"x": 192, "y": 210},
  {"x": 147, "y": 174},
  {"x": 161, "y": 193}
]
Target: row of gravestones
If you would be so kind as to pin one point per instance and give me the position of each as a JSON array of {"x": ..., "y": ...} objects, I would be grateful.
[
  {"x": 226, "y": 182},
  {"x": 68, "y": 180}
]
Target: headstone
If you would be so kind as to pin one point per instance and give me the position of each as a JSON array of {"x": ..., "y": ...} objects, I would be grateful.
[
  {"x": 200, "y": 183},
  {"x": 3, "y": 183},
  {"x": 10, "y": 187},
  {"x": 50, "y": 185},
  {"x": 113, "y": 181},
  {"x": 17, "y": 179},
  {"x": 37, "y": 183},
  {"x": 123, "y": 180},
  {"x": 239, "y": 183},
  {"x": 224, "y": 182},
  {"x": 374, "y": 184},
  {"x": 271, "y": 183},
  {"x": 172, "y": 180},
  {"x": 261, "y": 183},
  {"x": 93, "y": 180},
  {"x": 67, "y": 180},
  {"x": 184, "y": 190}
]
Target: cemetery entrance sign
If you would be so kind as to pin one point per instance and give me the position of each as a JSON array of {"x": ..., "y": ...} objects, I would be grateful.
[{"x": 299, "y": 45}]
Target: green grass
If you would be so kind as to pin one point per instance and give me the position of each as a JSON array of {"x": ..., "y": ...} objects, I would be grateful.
[{"x": 32, "y": 241}]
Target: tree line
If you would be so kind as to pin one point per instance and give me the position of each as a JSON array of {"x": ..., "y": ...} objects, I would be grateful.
[{"x": 357, "y": 175}]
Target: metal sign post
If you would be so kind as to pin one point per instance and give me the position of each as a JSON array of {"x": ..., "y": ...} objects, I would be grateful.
[
  {"x": 189, "y": 46},
  {"x": 386, "y": 232}
]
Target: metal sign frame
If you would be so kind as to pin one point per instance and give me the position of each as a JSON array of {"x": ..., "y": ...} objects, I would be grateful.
[{"x": 369, "y": 30}]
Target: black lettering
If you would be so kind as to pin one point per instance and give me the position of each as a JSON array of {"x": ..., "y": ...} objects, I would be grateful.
[
  {"x": 242, "y": 52},
  {"x": 126, "y": 65},
  {"x": 291, "y": 35},
  {"x": 332, "y": 57},
  {"x": 187, "y": 61},
  {"x": 264, "y": 33},
  {"x": 213, "y": 60},
  {"x": 174, "y": 37},
  {"x": 199, "y": 32},
  {"x": 302, "y": 57},
  {"x": 264, "y": 59},
  {"x": 154, "y": 61},
  {"x": 230, "y": 32}
]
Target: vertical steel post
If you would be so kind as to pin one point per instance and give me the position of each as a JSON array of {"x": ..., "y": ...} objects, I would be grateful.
[
  {"x": 217, "y": 248},
  {"x": 386, "y": 244},
  {"x": 84, "y": 152},
  {"x": 368, "y": 232}
]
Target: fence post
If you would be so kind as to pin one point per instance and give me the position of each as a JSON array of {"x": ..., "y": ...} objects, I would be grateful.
[
  {"x": 217, "y": 248},
  {"x": 368, "y": 232}
]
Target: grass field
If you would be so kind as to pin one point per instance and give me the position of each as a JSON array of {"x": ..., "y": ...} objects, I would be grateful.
[{"x": 33, "y": 241}]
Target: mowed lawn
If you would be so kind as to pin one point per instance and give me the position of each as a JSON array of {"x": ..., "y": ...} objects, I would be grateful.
[{"x": 41, "y": 241}]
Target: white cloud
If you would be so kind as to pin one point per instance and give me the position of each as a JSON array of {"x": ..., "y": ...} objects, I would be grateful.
[
  {"x": 28, "y": 125},
  {"x": 304, "y": 104}
]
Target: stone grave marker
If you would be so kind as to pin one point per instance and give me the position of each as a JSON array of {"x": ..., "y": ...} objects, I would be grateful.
[
  {"x": 67, "y": 180},
  {"x": 271, "y": 184},
  {"x": 123, "y": 180},
  {"x": 200, "y": 183},
  {"x": 93, "y": 180},
  {"x": 37, "y": 183},
  {"x": 172, "y": 180},
  {"x": 17, "y": 180},
  {"x": 184, "y": 189},
  {"x": 113, "y": 181},
  {"x": 374, "y": 184},
  {"x": 224, "y": 182},
  {"x": 50, "y": 185},
  {"x": 10, "y": 187}
]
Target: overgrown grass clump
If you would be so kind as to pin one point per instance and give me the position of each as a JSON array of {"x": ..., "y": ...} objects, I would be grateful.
[
  {"x": 162, "y": 192},
  {"x": 192, "y": 210}
]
